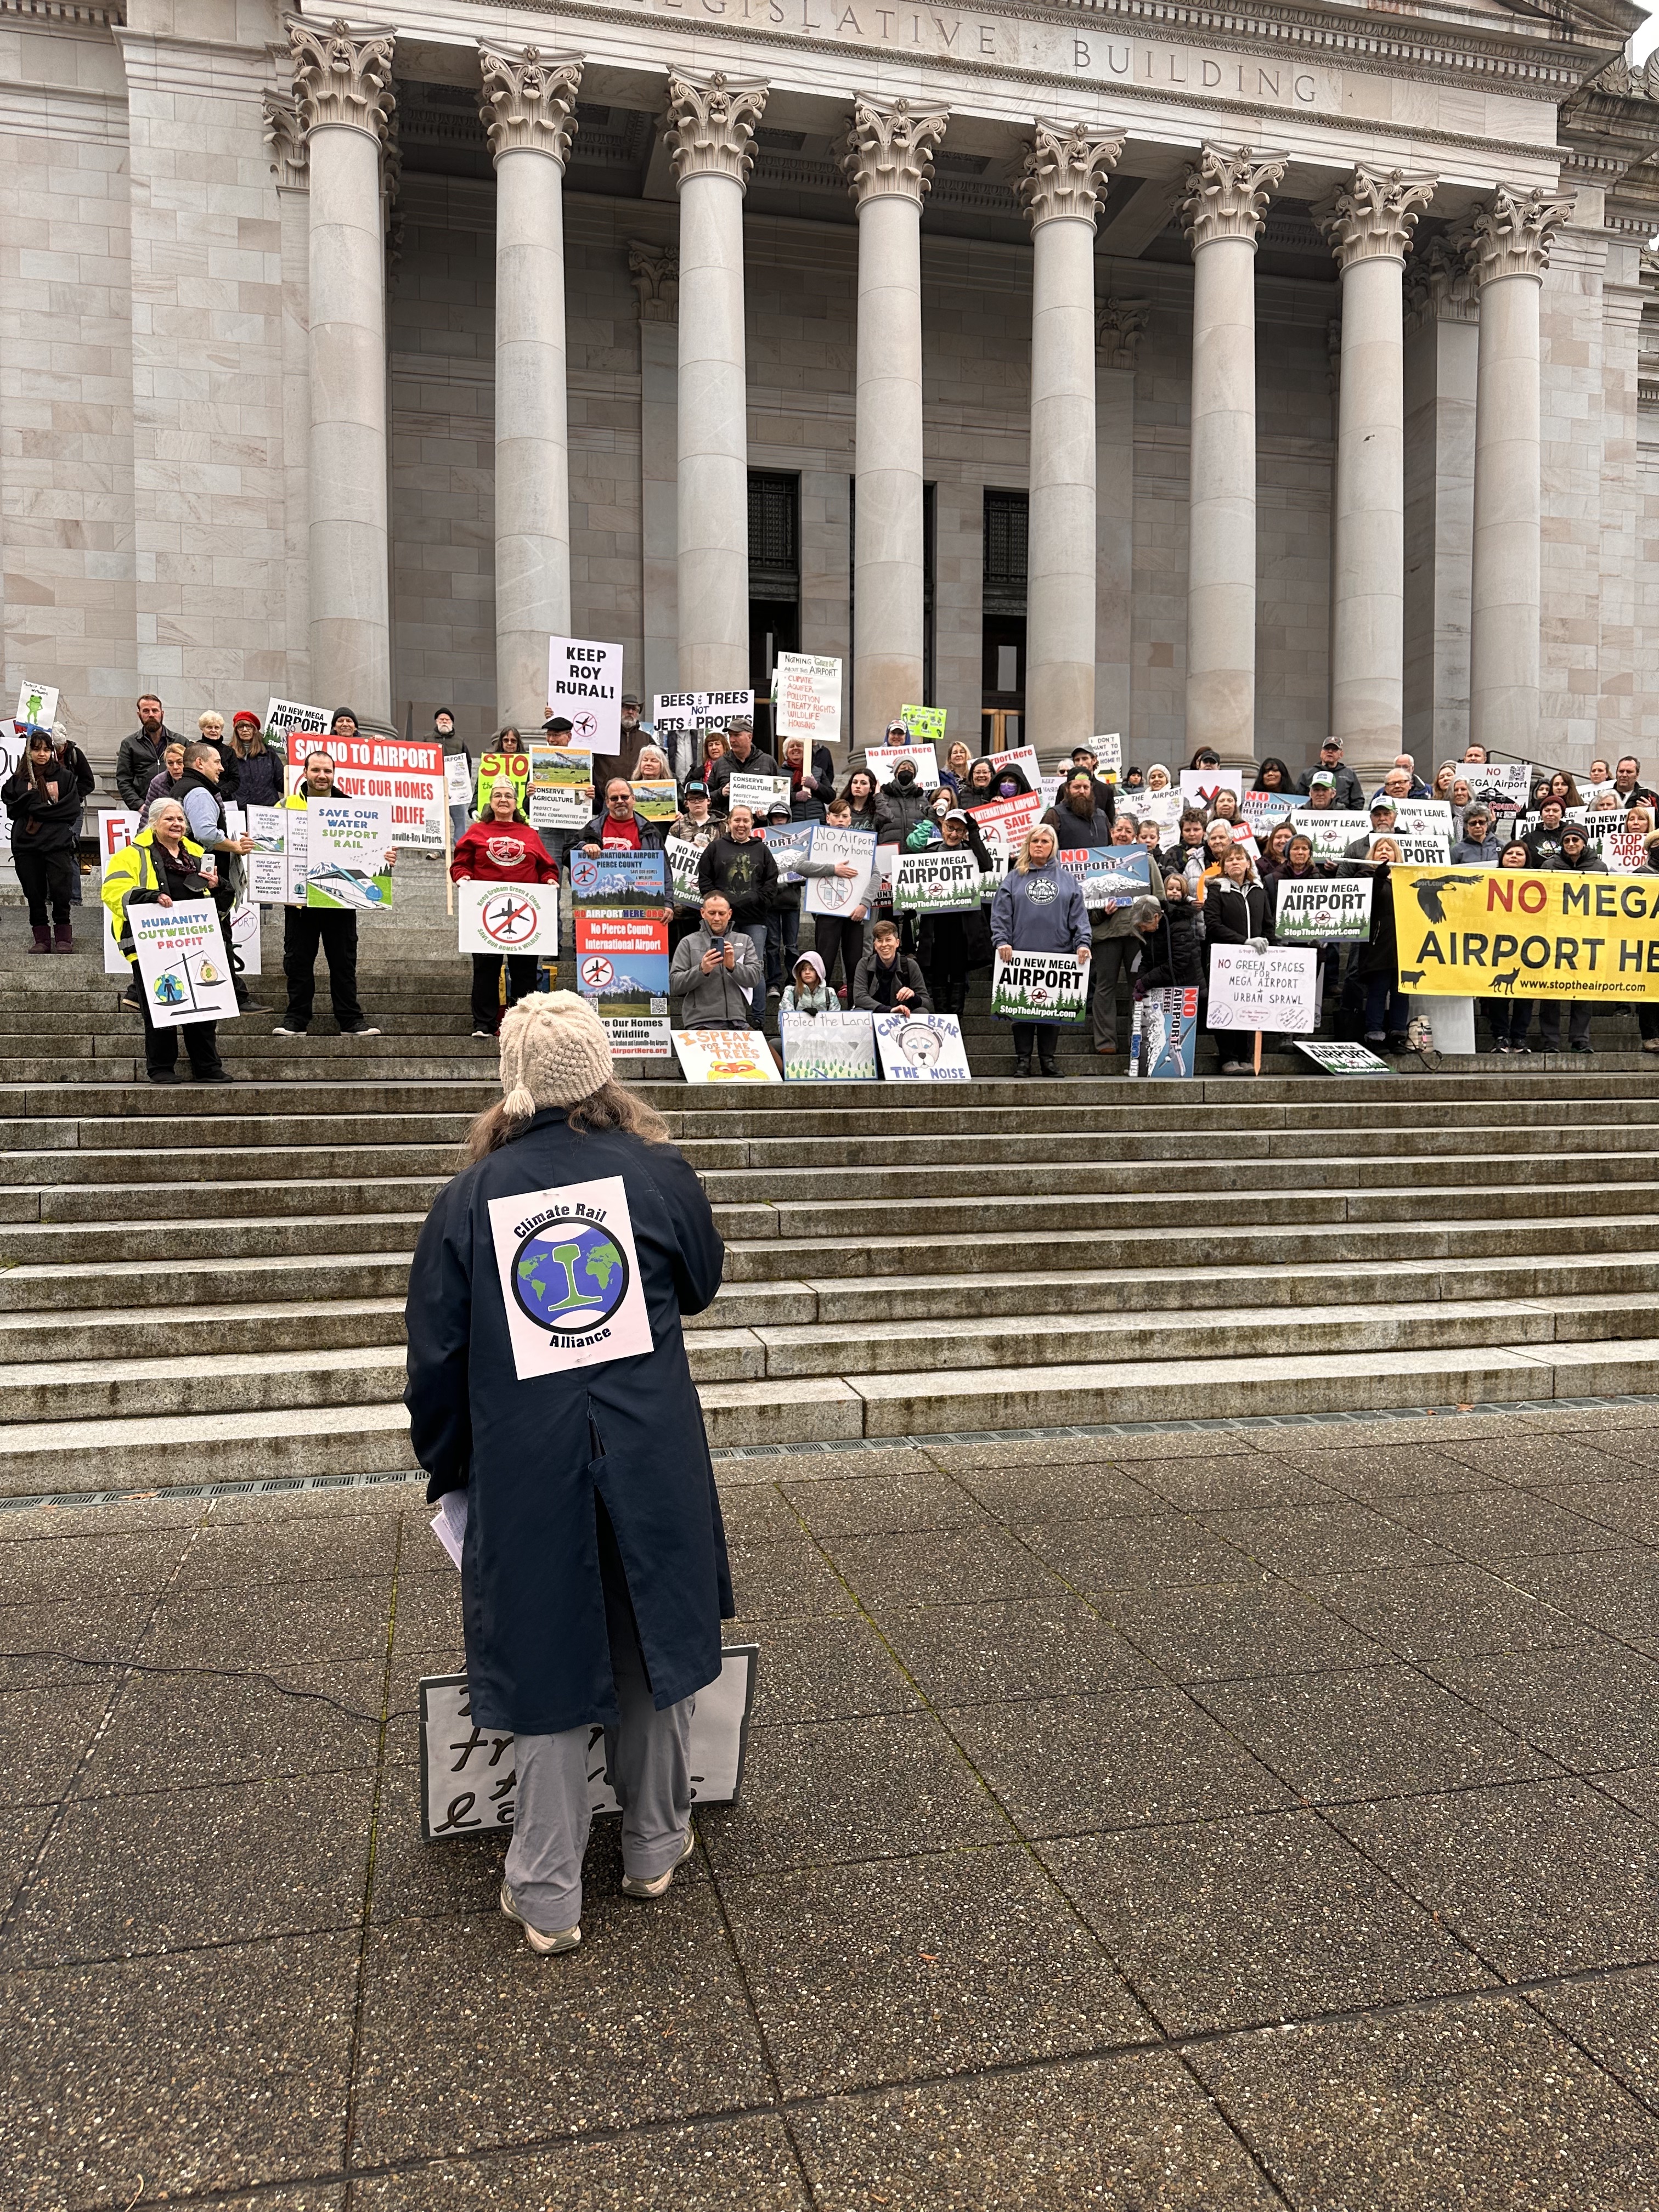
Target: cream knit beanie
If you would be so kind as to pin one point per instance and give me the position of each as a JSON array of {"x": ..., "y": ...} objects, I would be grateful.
[{"x": 554, "y": 1051}]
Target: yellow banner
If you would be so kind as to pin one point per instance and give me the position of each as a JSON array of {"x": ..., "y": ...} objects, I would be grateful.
[{"x": 1526, "y": 934}]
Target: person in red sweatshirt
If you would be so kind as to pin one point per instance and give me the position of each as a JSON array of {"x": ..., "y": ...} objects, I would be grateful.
[{"x": 502, "y": 848}]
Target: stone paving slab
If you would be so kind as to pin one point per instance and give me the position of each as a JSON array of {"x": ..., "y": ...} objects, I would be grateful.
[{"x": 1188, "y": 1821}]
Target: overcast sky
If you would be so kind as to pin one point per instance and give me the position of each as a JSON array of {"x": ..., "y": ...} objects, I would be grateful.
[{"x": 1645, "y": 40}]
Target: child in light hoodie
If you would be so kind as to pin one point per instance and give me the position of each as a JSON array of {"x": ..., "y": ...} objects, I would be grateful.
[{"x": 806, "y": 992}]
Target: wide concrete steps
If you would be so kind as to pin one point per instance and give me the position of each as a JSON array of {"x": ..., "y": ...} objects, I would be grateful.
[
  {"x": 48, "y": 1457},
  {"x": 339, "y": 1373}
]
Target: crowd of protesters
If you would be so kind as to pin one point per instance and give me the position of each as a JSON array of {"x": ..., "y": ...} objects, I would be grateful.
[{"x": 1213, "y": 876}]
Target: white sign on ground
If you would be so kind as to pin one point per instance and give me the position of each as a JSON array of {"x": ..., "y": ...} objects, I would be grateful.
[
  {"x": 1344, "y": 1058},
  {"x": 469, "y": 1785},
  {"x": 921, "y": 1047},
  {"x": 828, "y": 1047},
  {"x": 724, "y": 1056}
]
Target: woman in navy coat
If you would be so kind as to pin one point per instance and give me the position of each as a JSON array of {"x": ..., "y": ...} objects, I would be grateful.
[{"x": 548, "y": 1379}]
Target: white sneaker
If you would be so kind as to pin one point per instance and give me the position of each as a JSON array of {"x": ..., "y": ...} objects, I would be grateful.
[
  {"x": 279, "y": 1031},
  {"x": 633, "y": 1886},
  {"x": 541, "y": 1942},
  {"x": 367, "y": 1029}
]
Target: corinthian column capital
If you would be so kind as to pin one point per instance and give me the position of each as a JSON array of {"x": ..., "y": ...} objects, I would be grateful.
[
  {"x": 1225, "y": 195},
  {"x": 1439, "y": 287},
  {"x": 1064, "y": 173},
  {"x": 1512, "y": 232},
  {"x": 529, "y": 99},
  {"x": 710, "y": 124},
  {"x": 889, "y": 151},
  {"x": 285, "y": 134},
  {"x": 1372, "y": 217},
  {"x": 1120, "y": 325},
  {"x": 342, "y": 75}
]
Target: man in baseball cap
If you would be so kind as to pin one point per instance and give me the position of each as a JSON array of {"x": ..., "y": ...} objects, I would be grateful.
[{"x": 1345, "y": 782}]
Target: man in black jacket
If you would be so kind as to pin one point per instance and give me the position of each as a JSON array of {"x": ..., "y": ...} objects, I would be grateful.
[
  {"x": 139, "y": 759},
  {"x": 740, "y": 867},
  {"x": 1349, "y": 796},
  {"x": 743, "y": 756}
]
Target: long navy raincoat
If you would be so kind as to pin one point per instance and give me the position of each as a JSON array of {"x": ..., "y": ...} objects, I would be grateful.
[{"x": 533, "y": 1456}]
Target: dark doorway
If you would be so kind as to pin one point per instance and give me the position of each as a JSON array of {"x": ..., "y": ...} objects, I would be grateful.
[
  {"x": 773, "y": 585},
  {"x": 1002, "y": 631}
]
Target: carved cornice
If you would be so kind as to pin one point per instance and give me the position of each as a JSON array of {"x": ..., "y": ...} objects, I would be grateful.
[
  {"x": 1225, "y": 194},
  {"x": 1371, "y": 218},
  {"x": 1063, "y": 175},
  {"x": 1439, "y": 285},
  {"x": 710, "y": 125},
  {"x": 1120, "y": 325},
  {"x": 1511, "y": 234},
  {"x": 285, "y": 134},
  {"x": 529, "y": 103},
  {"x": 342, "y": 75},
  {"x": 656, "y": 273},
  {"x": 888, "y": 153}
]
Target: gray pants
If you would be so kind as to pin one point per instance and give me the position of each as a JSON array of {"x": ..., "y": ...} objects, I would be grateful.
[{"x": 649, "y": 1755}]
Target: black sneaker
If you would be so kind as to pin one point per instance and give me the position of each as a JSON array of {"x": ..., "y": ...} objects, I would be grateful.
[
  {"x": 1578, "y": 1045},
  {"x": 214, "y": 1075},
  {"x": 163, "y": 1074},
  {"x": 251, "y": 1006}
]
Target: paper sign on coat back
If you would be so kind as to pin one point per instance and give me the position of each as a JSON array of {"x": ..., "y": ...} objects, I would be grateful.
[{"x": 570, "y": 1277}]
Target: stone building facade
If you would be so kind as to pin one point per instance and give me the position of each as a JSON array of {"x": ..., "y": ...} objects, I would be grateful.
[{"x": 1233, "y": 379}]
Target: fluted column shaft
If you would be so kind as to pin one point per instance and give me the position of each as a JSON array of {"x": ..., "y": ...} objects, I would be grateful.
[
  {"x": 888, "y": 163},
  {"x": 284, "y": 135},
  {"x": 1226, "y": 199},
  {"x": 340, "y": 81},
  {"x": 1509, "y": 254},
  {"x": 1369, "y": 224},
  {"x": 1060, "y": 183},
  {"x": 527, "y": 110},
  {"x": 711, "y": 124}
]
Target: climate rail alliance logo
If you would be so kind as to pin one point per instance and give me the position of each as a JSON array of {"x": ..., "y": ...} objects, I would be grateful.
[{"x": 569, "y": 1276}]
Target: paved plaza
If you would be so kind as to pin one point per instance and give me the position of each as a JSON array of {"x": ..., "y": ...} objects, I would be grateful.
[{"x": 1249, "y": 1817}]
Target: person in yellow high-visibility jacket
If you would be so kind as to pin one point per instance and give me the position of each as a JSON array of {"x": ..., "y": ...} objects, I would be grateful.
[{"x": 160, "y": 867}]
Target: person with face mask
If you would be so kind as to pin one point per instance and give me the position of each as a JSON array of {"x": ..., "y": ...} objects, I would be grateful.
[{"x": 899, "y": 805}]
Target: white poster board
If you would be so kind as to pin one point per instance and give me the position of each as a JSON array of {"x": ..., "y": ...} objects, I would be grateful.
[
  {"x": 1277, "y": 989},
  {"x": 1199, "y": 786},
  {"x": 921, "y": 1047},
  {"x": 1323, "y": 909},
  {"x": 839, "y": 895},
  {"x": 674, "y": 711},
  {"x": 560, "y": 793},
  {"x": 285, "y": 716},
  {"x": 828, "y": 1047},
  {"x": 1108, "y": 752},
  {"x": 510, "y": 918},
  {"x": 38, "y": 703},
  {"x": 806, "y": 698},
  {"x": 469, "y": 1785},
  {"x": 1052, "y": 988},
  {"x": 1344, "y": 1058},
  {"x": 882, "y": 760},
  {"x": 682, "y": 859},
  {"x": 349, "y": 853},
  {"x": 584, "y": 683},
  {"x": 1330, "y": 830},
  {"x": 1162, "y": 807},
  {"x": 724, "y": 1056},
  {"x": 458, "y": 779},
  {"x": 117, "y": 827},
  {"x": 943, "y": 879},
  {"x": 756, "y": 792},
  {"x": 184, "y": 969}
]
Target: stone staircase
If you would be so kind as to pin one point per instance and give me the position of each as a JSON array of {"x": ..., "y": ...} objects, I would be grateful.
[{"x": 207, "y": 1284}]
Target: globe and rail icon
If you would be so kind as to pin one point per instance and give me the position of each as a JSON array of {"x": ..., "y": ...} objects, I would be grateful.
[{"x": 569, "y": 1277}]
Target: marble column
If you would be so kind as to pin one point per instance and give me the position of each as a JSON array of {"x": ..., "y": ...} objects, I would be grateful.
[
  {"x": 1225, "y": 204},
  {"x": 1369, "y": 224},
  {"x": 1120, "y": 325},
  {"x": 709, "y": 126},
  {"x": 1442, "y": 338},
  {"x": 528, "y": 110},
  {"x": 284, "y": 134},
  {"x": 655, "y": 271},
  {"x": 340, "y": 81},
  {"x": 1061, "y": 182},
  {"x": 1509, "y": 252},
  {"x": 888, "y": 161}
]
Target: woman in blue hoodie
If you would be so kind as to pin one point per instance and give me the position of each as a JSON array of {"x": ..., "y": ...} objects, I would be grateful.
[{"x": 1038, "y": 908}]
